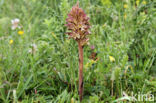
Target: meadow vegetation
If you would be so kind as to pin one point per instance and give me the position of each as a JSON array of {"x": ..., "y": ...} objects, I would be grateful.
[{"x": 39, "y": 64}]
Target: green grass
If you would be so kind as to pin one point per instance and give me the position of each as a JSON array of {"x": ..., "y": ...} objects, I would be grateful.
[{"x": 50, "y": 73}]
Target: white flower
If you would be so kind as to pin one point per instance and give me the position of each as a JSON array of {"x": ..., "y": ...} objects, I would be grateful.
[{"x": 15, "y": 23}]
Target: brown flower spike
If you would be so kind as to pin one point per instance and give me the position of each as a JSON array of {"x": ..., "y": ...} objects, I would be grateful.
[{"x": 78, "y": 26}]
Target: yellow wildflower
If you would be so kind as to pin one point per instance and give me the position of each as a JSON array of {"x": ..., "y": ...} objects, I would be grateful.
[
  {"x": 11, "y": 42},
  {"x": 125, "y": 6},
  {"x": 93, "y": 61},
  {"x": 20, "y": 32},
  {"x": 144, "y": 2},
  {"x": 90, "y": 63},
  {"x": 111, "y": 58},
  {"x": 137, "y": 2}
]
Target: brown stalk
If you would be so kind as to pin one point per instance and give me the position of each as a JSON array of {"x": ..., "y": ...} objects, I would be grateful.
[{"x": 80, "y": 48}]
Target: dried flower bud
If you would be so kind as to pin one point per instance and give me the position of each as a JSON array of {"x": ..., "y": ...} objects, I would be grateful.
[{"x": 78, "y": 24}]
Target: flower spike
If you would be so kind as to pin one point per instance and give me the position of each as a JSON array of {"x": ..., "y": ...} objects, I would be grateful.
[{"x": 78, "y": 24}]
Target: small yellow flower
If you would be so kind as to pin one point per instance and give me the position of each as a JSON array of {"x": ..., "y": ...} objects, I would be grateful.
[
  {"x": 11, "y": 42},
  {"x": 20, "y": 32},
  {"x": 112, "y": 59},
  {"x": 144, "y": 2},
  {"x": 92, "y": 61},
  {"x": 137, "y": 2},
  {"x": 125, "y": 16},
  {"x": 125, "y": 6}
]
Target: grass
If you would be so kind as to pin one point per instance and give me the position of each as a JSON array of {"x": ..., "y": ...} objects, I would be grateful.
[{"x": 41, "y": 65}]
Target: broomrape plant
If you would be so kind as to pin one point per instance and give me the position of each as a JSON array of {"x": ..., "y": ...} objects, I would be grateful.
[{"x": 78, "y": 25}]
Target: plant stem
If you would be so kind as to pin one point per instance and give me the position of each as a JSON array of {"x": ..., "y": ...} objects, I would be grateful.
[{"x": 80, "y": 71}]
